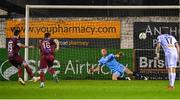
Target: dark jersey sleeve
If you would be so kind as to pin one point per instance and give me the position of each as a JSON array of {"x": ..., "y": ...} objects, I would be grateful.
[{"x": 53, "y": 44}]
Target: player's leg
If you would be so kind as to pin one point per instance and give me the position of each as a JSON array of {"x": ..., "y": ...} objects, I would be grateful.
[
  {"x": 171, "y": 63},
  {"x": 172, "y": 77},
  {"x": 43, "y": 67},
  {"x": 17, "y": 64},
  {"x": 50, "y": 62},
  {"x": 118, "y": 73},
  {"x": 20, "y": 60},
  {"x": 29, "y": 71},
  {"x": 42, "y": 77},
  {"x": 52, "y": 70},
  {"x": 115, "y": 75},
  {"x": 135, "y": 74},
  {"x": 20, "y": 79}
]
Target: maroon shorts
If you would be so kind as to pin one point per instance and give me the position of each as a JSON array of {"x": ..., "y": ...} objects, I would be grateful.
[
  {"x": 46, "y": 61},
  {"x": 16, "y": 61}
]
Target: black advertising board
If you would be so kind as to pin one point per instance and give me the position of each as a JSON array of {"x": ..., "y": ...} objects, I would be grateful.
[
  {"x": 145, "y": 33},
  {"x": 145, "y": 39}
]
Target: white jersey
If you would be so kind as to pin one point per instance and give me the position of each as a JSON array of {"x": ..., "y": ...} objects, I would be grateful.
[{"x": 168, "y": 44}]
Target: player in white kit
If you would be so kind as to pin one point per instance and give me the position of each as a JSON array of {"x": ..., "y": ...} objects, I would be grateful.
[{"x": 171, "y": 50}]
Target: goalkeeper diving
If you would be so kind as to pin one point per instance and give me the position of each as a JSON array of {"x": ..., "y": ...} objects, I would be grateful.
[{"x": 117, "y": 68}]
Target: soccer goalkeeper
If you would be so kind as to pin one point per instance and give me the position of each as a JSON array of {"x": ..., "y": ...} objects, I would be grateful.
[{"x": 118, "y": 69}]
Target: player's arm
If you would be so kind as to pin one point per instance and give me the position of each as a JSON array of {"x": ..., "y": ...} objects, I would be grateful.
[
  {"x": 95, "y": 69},
  {"x": 56, "y": 43},
  {"x": 119, "y": 55},
  {"x": 178, "y": 49},
  {"x": 24, "y": 46},
  {"x": 157, "y": 50},
  {"x": 158, "y": 46}
]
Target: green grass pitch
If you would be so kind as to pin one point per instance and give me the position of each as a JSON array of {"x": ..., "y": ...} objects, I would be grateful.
[{"x": 90, "y": 89}]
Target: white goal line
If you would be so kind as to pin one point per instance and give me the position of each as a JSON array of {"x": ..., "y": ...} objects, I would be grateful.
[{"x": 101, "y": 7}]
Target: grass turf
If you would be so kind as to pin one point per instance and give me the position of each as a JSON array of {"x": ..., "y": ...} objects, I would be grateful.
[{"x": 90, "y": 89}]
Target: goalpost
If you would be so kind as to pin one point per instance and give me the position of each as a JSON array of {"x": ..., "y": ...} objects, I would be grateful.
[{"x": 79, "y": 7}]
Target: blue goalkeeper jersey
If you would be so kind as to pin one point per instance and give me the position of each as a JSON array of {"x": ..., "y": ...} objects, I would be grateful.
[{"x": 112, "y": 63}]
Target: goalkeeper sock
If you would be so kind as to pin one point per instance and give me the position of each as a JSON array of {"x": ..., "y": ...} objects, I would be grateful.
[
  {"x": 42, "y": 76},
  {"x": 137, "y": 75},
  {"x": 29, "y": 71},
  {"x": 19, "y": 72}
]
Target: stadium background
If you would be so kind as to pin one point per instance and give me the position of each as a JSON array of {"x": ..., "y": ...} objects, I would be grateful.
[{"x": 126, "y": 44}]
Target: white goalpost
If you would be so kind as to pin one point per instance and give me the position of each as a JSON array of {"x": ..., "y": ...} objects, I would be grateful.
[{"x": 78, "y": 7}]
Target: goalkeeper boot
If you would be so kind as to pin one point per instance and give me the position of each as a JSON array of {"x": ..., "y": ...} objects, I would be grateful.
[
  {"x": 42, "y": 85},
  {"x": 21, "y": 81}
]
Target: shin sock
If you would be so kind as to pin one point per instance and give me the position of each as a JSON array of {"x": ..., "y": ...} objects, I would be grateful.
[
  {"x": 19, "y": 72},
  {"x": 42, "y": 76},
  {"x": 29, "y": 71}
]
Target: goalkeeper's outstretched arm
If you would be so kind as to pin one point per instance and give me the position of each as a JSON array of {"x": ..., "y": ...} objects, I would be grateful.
[
  {"x": 95, "y": 69},
  {"x": 119, "y": 55}
]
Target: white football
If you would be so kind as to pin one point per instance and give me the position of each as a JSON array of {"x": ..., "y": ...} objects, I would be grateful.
[{"x": 142, "y": 36}]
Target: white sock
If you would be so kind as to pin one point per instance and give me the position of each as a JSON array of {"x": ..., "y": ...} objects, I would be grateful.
[
  {"x": 42, "y": 83},
  {"x": 169, "y": 76},
  {"x": 173, "y": 78}
]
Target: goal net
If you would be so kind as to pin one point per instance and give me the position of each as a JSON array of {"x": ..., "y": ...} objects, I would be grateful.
[{"x": 82, "y": 31}]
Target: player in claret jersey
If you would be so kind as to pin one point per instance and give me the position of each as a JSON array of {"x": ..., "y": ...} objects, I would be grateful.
[
  {"x": 47, "y": 49},
  {"x": 15, "y": 59},
  {"x": 171, "y": 50}
]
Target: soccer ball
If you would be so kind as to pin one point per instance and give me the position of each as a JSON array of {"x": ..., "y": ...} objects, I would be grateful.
[{"x": 142, "y": 36}]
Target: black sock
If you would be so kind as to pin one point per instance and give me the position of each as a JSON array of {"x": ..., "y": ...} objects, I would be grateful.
[
  {"x": 121, "y": 78},
  {"x": 138, "y": 75}
]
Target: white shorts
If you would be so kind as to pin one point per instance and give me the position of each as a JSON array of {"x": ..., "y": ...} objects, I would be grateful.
[{"x": 171, "y": 60}]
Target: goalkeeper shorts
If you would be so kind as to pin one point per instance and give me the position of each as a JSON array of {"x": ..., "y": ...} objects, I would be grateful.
[{"x": 120, "y": 71}]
